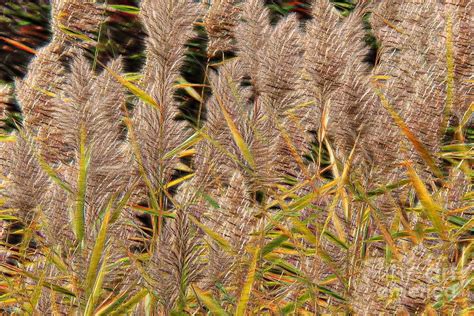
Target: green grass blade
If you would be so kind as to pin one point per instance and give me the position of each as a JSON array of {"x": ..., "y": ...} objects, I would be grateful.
[
  {"x": 275, "y": 243},
  {"x": 97, "y": 251},
  {"x": 215, "y": 236},
  {"x": 97, "y": 289},
  {"x": 191, "y": 141},
  {"x": 209, "y": 302},
  {"x": 75, "y": 34},
  {"x": 80, "y": 209},
  {"x": 124, "y": 308},
  {"x": 125, "y": 8}
]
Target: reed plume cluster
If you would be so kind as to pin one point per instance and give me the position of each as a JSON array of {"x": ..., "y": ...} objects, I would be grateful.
[{"x": 310, "y": 182}]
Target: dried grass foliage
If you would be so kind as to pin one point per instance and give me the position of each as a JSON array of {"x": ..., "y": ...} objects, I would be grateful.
[{"x": 111, "y": 223}]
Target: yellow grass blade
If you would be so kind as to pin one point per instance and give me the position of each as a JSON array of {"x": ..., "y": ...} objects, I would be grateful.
[
  {"x": 141, "y": 94},
  {"x": 221, "y": 148},
  {"x": 341, "y": 195},
  {"x": 7, "y": 138},
  {"x": 36, "y": 295},
  {"x": 153, "y": 198},
  {"x": 247, "y": 287},
  {"x": 210, "y": 303},
  {"x": 411, "y": 137},
  {"x": 52, "y": 174},
  {"x": 431, "y": 208},
  {"x": 385, "y": 233},
  {"x": 332, "y": 216},
  {"x": 304, "y": 201},
  {"x": 465, "y": 119},
  {"x": 124, "y": 308},
  {"x": 450, "y": 70},
  {"x": 108, "y": 307},
  {"x": 215, "y": 236},
  {"x": 238, "y": 139},
  {"x": 188, "y": 87},
  {"x": 45, "y": 166},
  {"x": 372, "y": 210}
]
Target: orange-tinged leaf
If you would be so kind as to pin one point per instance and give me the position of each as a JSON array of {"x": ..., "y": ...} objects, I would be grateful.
[
  {"x": 391, "y": 25},
  {"x": 18, "y": 45}
]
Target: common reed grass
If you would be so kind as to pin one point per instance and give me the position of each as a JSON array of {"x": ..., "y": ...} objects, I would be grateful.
[{"x": 312, "y": 182}]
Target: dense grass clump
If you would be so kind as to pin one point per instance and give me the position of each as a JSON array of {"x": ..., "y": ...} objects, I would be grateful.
[{"x": 283, "y": 158}]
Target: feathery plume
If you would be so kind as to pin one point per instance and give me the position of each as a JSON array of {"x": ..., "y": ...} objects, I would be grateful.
[
  {"x": 411, "y": 58},
  {"x": 92, "y": 105},
  {"x": 81, "y": 17},
  {"x": 169, "y": 24},
  {"x": 27, "y": 182},
  {"x": 5, "y": 100},
  {"x": 220, "y": 23},
  {"x": 324, "y": 54},
  {"x": 234, "y": 220},
  {"x": 460, "y": 13},
  {"x": 406, "y": 286},
  {"x": 177, "y": 263},
  {"x": 251, "y": 34},
  {"x": 333, "y": 62},
  {"x": 279, "y": 117},
  {"x": 89, "y": 138},
  {"x": 218, "y": 155},
  {"x": 46, "y": 73},
  {"x": 279, "y": 69}
]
